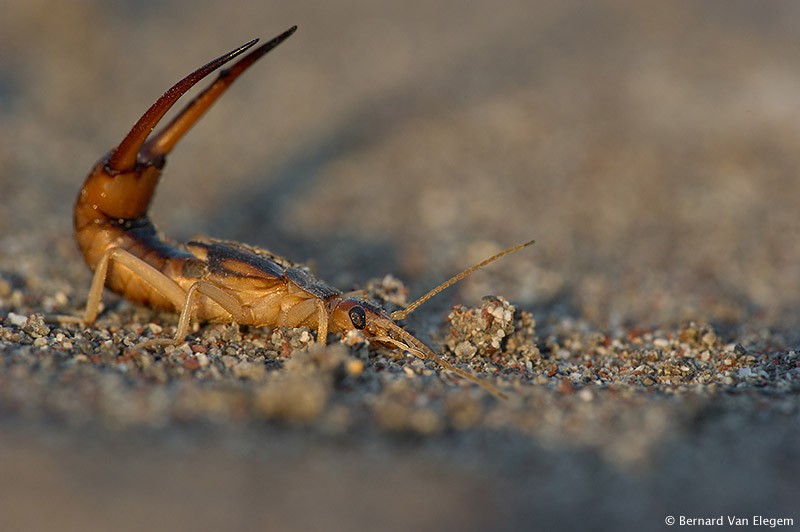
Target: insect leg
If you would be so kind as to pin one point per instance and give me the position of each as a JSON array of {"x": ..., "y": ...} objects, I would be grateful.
[
  {"x": 160, "y": 282},
  {"x": 301, "y": 311},
  {"x": 322, "y": 322},
  {"x": 239, "y": 313}
]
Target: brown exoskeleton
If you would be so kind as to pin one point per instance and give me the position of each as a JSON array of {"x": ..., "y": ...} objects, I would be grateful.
[{"x": 211, "y": 280}]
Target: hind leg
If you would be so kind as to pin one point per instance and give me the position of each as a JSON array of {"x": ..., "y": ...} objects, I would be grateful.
[{"x": 138, "y": 268}]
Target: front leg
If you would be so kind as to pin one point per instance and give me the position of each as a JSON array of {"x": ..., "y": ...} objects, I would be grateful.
[
  {"x": 300, "y": 313},
  {"x": 322, "y": 322}
]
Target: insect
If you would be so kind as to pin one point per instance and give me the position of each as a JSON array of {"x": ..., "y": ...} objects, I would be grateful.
[{"x": 205, "y": 279}]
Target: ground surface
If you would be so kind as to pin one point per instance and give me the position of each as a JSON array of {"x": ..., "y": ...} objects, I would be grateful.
[{"x": 648, "y": 341}]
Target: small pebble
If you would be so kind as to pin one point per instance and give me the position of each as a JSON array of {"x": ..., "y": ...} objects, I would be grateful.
[
  {"x": 17, "y": 319},
  {"x": 585, "y": 395}
]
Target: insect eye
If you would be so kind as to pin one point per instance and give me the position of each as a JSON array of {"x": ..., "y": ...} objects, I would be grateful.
[{"x": 358, "y": 317}]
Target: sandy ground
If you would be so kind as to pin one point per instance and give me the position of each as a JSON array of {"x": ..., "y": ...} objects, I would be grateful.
[{"x": 648, "y": 341}]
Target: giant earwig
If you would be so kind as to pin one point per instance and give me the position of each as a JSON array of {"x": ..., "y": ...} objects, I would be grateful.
[{"x": 205, "y": 279}]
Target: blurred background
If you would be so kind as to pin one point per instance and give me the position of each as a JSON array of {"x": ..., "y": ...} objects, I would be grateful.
[{"x": 650, "y": 148}]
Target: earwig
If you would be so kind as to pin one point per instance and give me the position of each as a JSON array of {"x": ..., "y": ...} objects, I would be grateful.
[{"x": 206, "y": 279}]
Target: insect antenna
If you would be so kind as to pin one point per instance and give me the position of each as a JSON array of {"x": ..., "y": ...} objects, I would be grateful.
[{"x": 400, "y": 314}]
